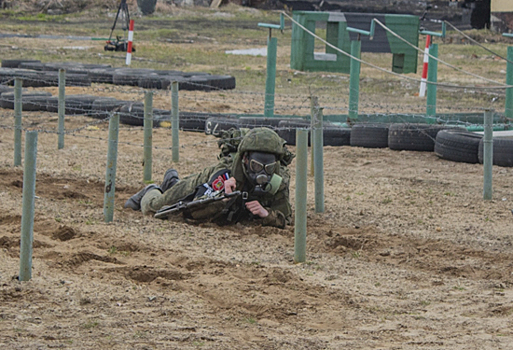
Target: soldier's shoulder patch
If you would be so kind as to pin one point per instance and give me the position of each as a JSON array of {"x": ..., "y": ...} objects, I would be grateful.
[{"x": 218, "y": 183}]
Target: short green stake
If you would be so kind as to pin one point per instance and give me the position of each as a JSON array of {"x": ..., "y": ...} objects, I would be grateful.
[
  {"x": 317, "y": 149},
  {"x": 354, "y": 80},
  {"x": 301, "y": 195},
  {"x": 29, "y": 195},
  {"x": 509, "y": 81},
  {"x": 488, "y": 154},
  {"x": 110, "y": 177},
  {"x": 175, "y": 118},
  {"x": 270, "y": 82},
  {"x": 148, "y": 141},
  {"x": 431, "y": 88},
  {"x": 17, "y": 121},
  {"x": 62, "y": 107}
]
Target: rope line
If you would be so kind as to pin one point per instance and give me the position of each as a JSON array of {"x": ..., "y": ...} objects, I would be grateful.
[
  {"x": 503, "y": 86},
  {"x": 433, "y": 57},
  {"x": 476, "y": 43}
]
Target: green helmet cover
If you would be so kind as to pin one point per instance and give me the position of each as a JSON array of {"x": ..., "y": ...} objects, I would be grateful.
[{"x": 263, "y": 140}]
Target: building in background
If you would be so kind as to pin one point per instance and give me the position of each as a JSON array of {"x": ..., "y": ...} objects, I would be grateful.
[{"x": 501, "y": 16}]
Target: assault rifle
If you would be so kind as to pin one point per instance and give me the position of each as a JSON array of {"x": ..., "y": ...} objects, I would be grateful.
[{"x": 202, "y": 202}]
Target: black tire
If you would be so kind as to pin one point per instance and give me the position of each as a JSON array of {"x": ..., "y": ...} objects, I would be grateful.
[
  {"x": 222, "y": 82},
  {"x": 7, "y": 98},
  {"x": 190, "y": 121},
  {"x": 37, "y": 66},
  {"x": 29, "y": 77},
  {"x": 502, "y": 152},
  {"x": 168, "y": 72},
  {"x": 216, "y": 125},
  {"x": 372, "y": 135},
  {"x": 103, "y": 107},
  {"x": 34, "y": 103},
  {"x": 5, "y": 88},
  {"x": 196, "y": 83},
  {"x": 132, "y": 113},
  {"x": 336, "y": 136},
  {"x": 159, "y": 82},
  {"x": 16, "y": 63},
  {"x": 127, "y": 76},
  {"x": 74, "y": 104},
  {"x": 414, "y": 137},
  {"x": 332, "y": 135},
  {"x": 287, "y": 130},
  {"x": 102, "y": 75},
  {"x": 69, "y": 67},
  {"x": 457, "y": 146},
  {"x": 256, "y": 122},
  {"x": 6, "y": 76},
  {"x": 52, "y": 79}
]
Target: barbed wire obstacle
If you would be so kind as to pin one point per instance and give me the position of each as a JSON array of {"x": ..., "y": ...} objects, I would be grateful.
[
  {"x": 37, "y": 74},
  {"x": 448, "y": 141}
]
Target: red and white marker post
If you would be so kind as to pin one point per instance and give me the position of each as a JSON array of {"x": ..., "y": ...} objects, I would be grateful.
[
  {"x": 130, "y": 39},
  {"x": 423, "y": 80}
]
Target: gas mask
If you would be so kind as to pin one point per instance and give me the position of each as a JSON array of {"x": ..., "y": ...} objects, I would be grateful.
[{"x": 260, "y": 168}]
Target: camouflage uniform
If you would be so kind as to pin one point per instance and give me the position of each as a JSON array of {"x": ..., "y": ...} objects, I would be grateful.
[{"x": 258, "y": 139}]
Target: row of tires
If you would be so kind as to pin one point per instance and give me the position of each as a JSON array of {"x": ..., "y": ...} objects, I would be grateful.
[
  {"x": 131, "y": 113},
  {"x": 447, "y": 142},
  {"x": 34, "y": 73}
]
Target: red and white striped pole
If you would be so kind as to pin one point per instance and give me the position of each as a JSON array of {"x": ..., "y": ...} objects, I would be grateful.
[
  {"x": 130, "y": 39},
  {"x": 423, "y": 80}
]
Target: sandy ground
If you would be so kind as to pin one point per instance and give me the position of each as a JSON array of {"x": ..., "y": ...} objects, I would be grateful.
[{"x": 407, "y": 255}]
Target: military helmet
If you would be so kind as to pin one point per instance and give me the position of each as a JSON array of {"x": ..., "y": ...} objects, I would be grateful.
[{"x": 262, "y": 140}]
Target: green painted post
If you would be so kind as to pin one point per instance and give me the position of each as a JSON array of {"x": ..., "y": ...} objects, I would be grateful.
[
  {"x": 509, "y": 81},
  {"x": 270, "y": 82},
  {"x": 354, "y": 79},
  {"x": 175, "y": 122},
  {"x": 110, "y": 177},
  {"x": 17, "y": 121},
  {"x": 314, "y": 105},
  {"x": 431, "y": 88},
  {"x": 29, "y": 195},
  {"x": 148, "y": 141},
  {"x": 61, "y": 107},
  {"x": 318, "y": 142},
  {"x": 300, "y": 205},
  {"x": 488, "y": 154}
]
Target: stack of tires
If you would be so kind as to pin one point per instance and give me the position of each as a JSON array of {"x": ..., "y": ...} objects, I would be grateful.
[
  {"x": 467, "y": 147},
  {"x": 37, "y": 74},
  {"x": 333, "y": 135}
]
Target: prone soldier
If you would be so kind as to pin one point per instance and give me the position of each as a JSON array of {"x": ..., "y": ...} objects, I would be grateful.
[{"x": 251, "y": 178}]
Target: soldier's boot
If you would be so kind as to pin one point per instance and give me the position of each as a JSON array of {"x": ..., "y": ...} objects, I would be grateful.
[
  {"x": 134, "y": 202},
  {"x": 170, "y": 179}
]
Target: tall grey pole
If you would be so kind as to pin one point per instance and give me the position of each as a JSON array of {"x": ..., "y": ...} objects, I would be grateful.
[
  {"x": 62, "y": 107},
  {"x": 29, "y": 195},
  {"x": 314, "y": 105},
  {"x": 110, "y": 176},
  {"x": 17, "y": 121},
  {"x": 301, "y": 195},
  {"x": 270, "y": 81},
  {"x": 148, "y": 141},
  {"x": 318, "y": 141},
  {"x": 488, "y": 154},
  {"x": 175, "y": 122}
]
